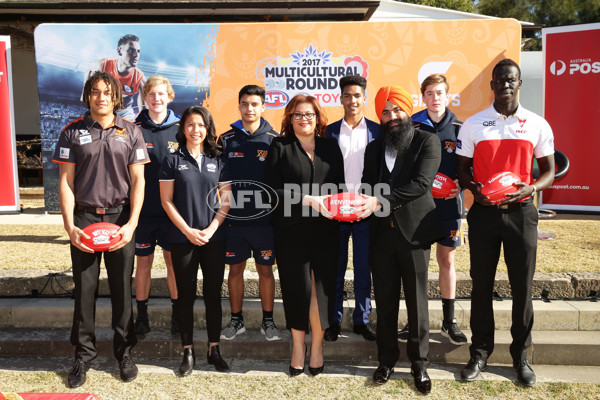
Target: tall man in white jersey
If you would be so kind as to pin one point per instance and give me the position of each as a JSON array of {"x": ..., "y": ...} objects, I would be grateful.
[{"x": 504, "y": 137}]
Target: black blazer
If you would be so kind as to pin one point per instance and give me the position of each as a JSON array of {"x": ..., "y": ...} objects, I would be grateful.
[
  {"x": 288, "y": 163},
  {"x": 410, "y": 199}
]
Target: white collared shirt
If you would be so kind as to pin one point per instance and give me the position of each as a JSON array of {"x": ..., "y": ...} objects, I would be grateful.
[{"x": 353, "y": 143}]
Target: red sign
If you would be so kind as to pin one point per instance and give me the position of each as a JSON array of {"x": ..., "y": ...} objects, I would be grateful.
[
  {"x": 571, "y": 107},
  {"x": 9, "y": 184}
]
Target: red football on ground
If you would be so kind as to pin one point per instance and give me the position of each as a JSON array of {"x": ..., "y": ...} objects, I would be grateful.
[
  {"x": 442, "y": 186},
  {"x": 100, "y": 235},
  {"x": 499, "y": 185},
  {"x": 341, "y": 205}
]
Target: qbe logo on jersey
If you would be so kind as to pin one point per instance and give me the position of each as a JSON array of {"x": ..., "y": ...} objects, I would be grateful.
[
  {"x": 576, "y": 66},
  {"x": 310, "y": 71}
]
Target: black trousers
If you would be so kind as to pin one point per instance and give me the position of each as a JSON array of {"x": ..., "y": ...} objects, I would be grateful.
[
  {"x": 516, "y": 230},
  {"x": 86, "y": 271},
  {"x": 302, "y": 248},
  {"x": 186, "y": 259},
  {"x": 396, "y": 262}
]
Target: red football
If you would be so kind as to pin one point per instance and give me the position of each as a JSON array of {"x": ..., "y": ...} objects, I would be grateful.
[
  {"x": 100, "y": 235},
  {"x": 499, "y": 185},
  {"x": 442, "y": 186},
  {"x": 341, "y": 205}
]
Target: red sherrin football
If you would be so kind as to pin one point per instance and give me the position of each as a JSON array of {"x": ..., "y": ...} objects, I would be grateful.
[
  {"x": 442, "y": 186},
  {"x": 100, "y": 235},
  {"x": 499, "y": 185},
  {"x": 341, "y": 205}
]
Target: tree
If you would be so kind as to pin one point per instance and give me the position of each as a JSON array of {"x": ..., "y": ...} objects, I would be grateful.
[{"x": 458, "y": 5}]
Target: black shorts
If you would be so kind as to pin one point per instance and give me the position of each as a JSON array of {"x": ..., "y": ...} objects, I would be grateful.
[
  {"x": 245, "y": 241},
  {"x": 453, "y": 235},
  {"x": 149, "y": 232}
]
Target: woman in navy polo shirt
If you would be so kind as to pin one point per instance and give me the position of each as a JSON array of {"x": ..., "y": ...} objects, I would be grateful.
[{"x": 191, "y": 181}]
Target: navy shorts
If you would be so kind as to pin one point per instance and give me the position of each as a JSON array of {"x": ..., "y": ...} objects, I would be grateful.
[
  {"x": 246, "y": 241},
  {"x": 149, "y": 232},
  {"x": 453, "y": 235}
]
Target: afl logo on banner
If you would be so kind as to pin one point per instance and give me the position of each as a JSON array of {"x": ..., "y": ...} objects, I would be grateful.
[
  {"x": 276, "y": 99},
  {"x": 558, "y": 67}
]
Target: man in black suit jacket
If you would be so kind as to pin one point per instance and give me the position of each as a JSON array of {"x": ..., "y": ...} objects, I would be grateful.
[{"x": 404, "y": 161}]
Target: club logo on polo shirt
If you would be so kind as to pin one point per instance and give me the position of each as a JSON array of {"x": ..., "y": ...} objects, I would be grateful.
[
  {"x": 183, "y": 167},
  {"x": 149, "y": 145},
  {"x": 120, "y": 131},
  {"x": 172, "y": 146},
  {"x": 235, "y": 154},
  {"x": 64, "y": 152},
  {"x": 521, "y": 123},
  {"x": 449, "y": 146},
  {"x": 262, "y": 154},
  {"x": 211, "y": 167}
]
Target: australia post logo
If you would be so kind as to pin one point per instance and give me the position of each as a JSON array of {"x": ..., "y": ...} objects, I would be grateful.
[
  {"x": 582, "y": 66},
  {"x": 309, "y": 71}
]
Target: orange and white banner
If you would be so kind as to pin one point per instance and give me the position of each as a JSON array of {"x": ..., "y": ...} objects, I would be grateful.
[{"x": 209, "y": 63}]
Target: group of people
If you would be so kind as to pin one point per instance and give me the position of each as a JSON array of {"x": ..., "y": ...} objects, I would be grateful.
[{"x": 180, "y": 185}]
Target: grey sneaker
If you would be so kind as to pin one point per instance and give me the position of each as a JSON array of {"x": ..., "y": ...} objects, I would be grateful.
[
  {"x": 269, "y": 329},
  {"x": 233, "y": 328},
  {"x": 453, "y": 334}
]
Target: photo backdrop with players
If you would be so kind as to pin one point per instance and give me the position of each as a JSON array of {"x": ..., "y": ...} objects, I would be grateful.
[{"x": 208, "y": 64}]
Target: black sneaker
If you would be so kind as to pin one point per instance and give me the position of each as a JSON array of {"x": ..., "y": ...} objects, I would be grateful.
[
  {"x": 128, "y": 369},
  {"x": 403, "y": 334},
  {"x": 141, "y": 327},
  {"x": 453, "y": 334}
]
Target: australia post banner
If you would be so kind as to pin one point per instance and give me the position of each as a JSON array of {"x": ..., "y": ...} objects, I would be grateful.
[
  {"x": 9, "y": 182},
  {"x": 571, "y": 75},
  {"x": 208, "y": 64}
]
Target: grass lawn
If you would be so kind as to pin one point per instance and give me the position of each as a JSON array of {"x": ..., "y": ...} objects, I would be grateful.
[
  {"x": 230, "y": 386},
  {"x": 575, "y": 249}
]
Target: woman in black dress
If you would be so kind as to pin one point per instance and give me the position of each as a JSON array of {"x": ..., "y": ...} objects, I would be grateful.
[
  {"x": 303, "y": 167},
  {"x": 191, "y": 181}
]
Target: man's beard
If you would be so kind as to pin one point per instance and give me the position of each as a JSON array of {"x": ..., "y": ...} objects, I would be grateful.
[{"x": 397, "y": 138}]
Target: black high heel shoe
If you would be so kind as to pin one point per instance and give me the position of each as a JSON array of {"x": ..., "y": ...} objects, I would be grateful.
[
  {"x": 189, "y": 360},
  {"x": 213, "y": 357},
  {"x": 316, "y": 371},
  {"x": 297, "y": 371}
]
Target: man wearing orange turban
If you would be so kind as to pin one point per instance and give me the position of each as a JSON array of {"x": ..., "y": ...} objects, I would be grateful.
[
  {"x": 405, "y": 160},
  {"x": 397, "y": 95}
]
